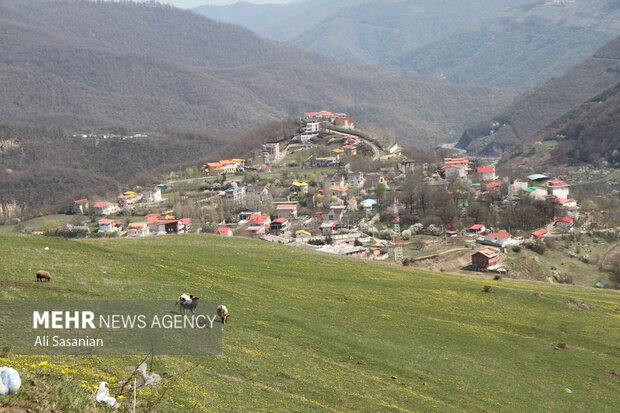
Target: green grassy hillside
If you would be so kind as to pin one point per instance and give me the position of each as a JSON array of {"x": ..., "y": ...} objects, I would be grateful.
[{"x": 311, "y": 332}]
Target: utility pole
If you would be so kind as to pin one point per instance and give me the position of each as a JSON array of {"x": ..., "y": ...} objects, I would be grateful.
[{"x": 398, "y": 246}]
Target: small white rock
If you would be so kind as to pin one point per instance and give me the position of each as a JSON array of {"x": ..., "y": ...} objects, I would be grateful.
[{"x": 569, "y": 391}]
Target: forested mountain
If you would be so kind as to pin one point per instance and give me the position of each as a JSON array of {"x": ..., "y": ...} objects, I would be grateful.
[
  {"x": 358, "y": 31},
  {"x": 282, "y": 22},
  {"x": 144, "y": 65},
  {"x": 508, "y": 43},
  {"x": 522, "y": 47},
  {"x": 587, "y": 134},
  {"x": 42, "y": 166},
  {"x": 541, "y": 105}
]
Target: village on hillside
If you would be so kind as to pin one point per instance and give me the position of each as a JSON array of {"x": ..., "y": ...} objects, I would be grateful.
[{"x": 340, "y": 190}]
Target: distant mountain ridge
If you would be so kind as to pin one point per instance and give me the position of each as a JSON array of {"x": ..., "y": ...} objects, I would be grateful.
[
  {"x": 587, "y": 134},
  {"x": 144, "y": 65},
  {"x": 539, "y": 106},
  {"x": 357, "y": 31},
  {"x": 521, "y": 47},
  {"x": 507, "y": 43}
]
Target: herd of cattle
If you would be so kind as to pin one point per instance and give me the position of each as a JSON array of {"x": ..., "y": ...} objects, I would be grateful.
[
  {"x": 190, "y": 302},
  {"x": 185, "y": 301}
]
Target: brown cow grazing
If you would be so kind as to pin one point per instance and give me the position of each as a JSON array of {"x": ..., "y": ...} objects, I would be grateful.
[
  {"x": 222, "y": 312},
  {"x": 43, "y": 275}
]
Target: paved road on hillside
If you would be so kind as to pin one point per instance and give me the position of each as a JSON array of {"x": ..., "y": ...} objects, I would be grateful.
[{"x": 375, "y": 149}]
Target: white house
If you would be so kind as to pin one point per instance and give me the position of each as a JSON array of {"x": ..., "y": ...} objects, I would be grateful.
[
  {"x": 105, "y": 208},
  {"x": 498, "y": 238},
  {"x": 517, "y": 186},
  {"x": 109, "y": 225},
  {"x": 234, "y": 196},
  {"x": 279, "y": 225},
  {"x": 356, "y": 179},
  {"x": 486, "y": 173},
  {"x": 138, "y": 229},
  {"x": 566, "y": 202},
  {"x": 287, "y": 211},
  {"x": 152, "y": 195},
  {"x": 454, "y": 171},
  {"x": 309, "y": 130},
  {"x": 557, "y": 188}
]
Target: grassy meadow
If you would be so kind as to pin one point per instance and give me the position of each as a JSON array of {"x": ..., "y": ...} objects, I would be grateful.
[{"x": 313, "y": 332}]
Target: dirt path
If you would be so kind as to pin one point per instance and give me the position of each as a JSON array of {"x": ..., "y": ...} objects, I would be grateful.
[{"x": 607, "y": 253}]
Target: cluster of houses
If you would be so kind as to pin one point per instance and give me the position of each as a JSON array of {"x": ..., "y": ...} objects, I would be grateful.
[
  {"x": 337, "y": 119},
  {"x": 224, "y": 166},
  {"x": 352, "y": 191},
  {"x": 488, "y": 256},
  {"x": 461, "y": 168},
  {"x": 124, "y": 201},
  {"x": 311, "y": 124},
  {"x": 349, "y": 192},
  {"x": 153, "y": 224}
]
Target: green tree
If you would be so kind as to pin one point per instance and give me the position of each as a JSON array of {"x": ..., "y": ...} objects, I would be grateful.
[
  {"x": 380, "y": 191},
  {"x": 49, "y": 225}
]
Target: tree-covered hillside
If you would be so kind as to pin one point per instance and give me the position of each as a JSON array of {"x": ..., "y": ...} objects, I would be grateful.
[
  {"x": 44, "y": 168},
  {"x": 587, "y": 134},
  {"x": 144, "y": 65},
  {"x": 522, "y": 47},
  {"x": 541, "y": 105},
  {"x": 508, "y": 43}
]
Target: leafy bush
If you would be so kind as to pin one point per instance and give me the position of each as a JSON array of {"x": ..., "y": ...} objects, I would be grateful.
[{"x": 538, "y": 247}]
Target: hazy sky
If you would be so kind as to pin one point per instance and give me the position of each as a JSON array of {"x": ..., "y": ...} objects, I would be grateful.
[{"x": 187, "y": 4}]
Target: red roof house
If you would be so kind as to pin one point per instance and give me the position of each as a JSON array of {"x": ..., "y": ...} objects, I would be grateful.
[
  {"x": 564, "y": 223},
  {"x": 482, "y": 259},
  {"x": 498, "y": 238},
  {"x": 226, "y": 231},
  {"x": 540, "y": 234}
]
